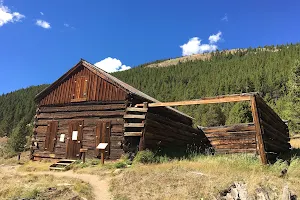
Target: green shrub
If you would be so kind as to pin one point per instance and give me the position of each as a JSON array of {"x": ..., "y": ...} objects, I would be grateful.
[
  {"x": 145, "y": 157},
  {"x": 120, "y": 164}
]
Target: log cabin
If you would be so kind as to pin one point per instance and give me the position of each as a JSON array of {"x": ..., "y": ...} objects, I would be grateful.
[{"x": 87, "y": 106}]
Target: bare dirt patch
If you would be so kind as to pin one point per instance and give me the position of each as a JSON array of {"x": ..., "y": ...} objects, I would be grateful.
[{"x": 71, "y": 184}]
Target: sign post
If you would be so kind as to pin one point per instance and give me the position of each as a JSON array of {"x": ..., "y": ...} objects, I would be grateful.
[
  {"x": 102, "y": 147},
  {"x": 83, "y": 152}
]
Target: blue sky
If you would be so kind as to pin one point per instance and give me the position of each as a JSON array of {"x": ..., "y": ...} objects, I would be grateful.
[{"x": 41, "y": 40}]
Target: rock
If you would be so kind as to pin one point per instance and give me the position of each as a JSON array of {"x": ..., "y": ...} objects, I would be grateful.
[
  {"x": 287, "y": 194},
  {"x": 262, "y": 194},
  {"x": 283, "y": 173},
  {"x": 237, "y": 191}
]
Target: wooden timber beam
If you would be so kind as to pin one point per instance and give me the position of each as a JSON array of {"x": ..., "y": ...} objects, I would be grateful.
[
  {"x": 207, "y": 100},
  {"x": 259, "y": 131}
]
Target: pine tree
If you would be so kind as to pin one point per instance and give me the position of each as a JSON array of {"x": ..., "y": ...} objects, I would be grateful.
[
  {"x": 294, "y": 93},
  {"x": 17, "y": 140}
]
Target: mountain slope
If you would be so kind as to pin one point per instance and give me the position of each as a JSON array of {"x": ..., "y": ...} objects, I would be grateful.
[
  {"x": 16, "y": 107},
  {"x": 265, "y": 70}
]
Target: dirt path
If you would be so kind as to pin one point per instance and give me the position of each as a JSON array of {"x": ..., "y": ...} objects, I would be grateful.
[{"x": 100, "y": 187}]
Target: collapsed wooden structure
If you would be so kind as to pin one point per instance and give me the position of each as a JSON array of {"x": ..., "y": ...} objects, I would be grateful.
[
  {"x": 267, "y": 136},
  {"x": 87, "y": 106}
]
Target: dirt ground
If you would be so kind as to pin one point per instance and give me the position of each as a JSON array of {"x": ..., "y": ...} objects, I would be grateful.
[{"x": 100, "y": 188}]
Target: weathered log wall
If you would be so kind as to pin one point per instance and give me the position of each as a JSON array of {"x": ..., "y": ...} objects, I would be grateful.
[
  {"x": 91, "y": 114},
  {"x": 275, "y": 132},
  {"x": 239, "y": 138},
  {"x": 163, "y": 132}
]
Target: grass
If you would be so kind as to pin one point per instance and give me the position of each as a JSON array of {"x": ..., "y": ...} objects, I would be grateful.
[
  {"x": 93, "y": 166},
  {"x": 30, "y": 186},
  {"x": 35, "y": 166},
  {"x": 14, "y": 160},
  {"x": 295, "y": 142},
  {"x": 159, "y": 177},
  {"x": 203, "y": 177}
]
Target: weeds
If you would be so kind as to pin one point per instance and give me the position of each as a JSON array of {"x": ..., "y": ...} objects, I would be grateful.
[
  {"x": 202, "y": 177},
  {"x": 41, "y": 187}
]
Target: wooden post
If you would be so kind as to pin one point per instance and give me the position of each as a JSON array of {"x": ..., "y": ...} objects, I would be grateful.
[
  {"x": 19, "y": 157},
  {"x": 83, "y": 157},
  {"x": 259, "y": 131},
  {"x": 83, "y": 152},
  {"x": 102, "y": 156}
]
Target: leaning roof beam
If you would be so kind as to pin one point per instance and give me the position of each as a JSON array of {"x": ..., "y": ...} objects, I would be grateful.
[{"x": 207, "y": 100}]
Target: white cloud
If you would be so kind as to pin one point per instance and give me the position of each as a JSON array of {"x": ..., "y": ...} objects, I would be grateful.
[
  {"x": 194, "y": 46},
  {"x": 68, "y": 26},
  {"x": 43, "y": 24},
  {"x": 41, "y": 13},
  {"x": 111, "y": 65},
  {"x": 7, "y": 16},
  {"x": 225, "y": 18},
  {"x": 215, "y": 38}
]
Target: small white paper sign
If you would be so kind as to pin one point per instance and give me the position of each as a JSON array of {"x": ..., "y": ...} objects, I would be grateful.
[
  {"x": 102, "y": 146},
  {"x": 74, "y": 135},
  {"x": 62, "y": 138}
]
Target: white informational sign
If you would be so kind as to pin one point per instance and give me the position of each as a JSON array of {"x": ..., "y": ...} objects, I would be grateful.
[
  {"x": 62, "y": 138},
  {"x": 102, "y": 146},
  {"x": 74, "y": 135}
]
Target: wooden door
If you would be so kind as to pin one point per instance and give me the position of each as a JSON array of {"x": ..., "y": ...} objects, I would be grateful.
[
  {"x": 102, "y": 136},
  {"x": 51, "y": 136},
  {"x": 74, "y": 144}
]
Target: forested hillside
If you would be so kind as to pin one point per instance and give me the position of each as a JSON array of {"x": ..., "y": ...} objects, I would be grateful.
[
  {"x": 16, "y": 107},
  {"x": 265, "y": 70}
]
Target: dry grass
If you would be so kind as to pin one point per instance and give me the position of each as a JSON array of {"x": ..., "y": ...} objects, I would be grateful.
[
  {"x": 35, "y": 166},
  {"x": 15, "y": 186},
  {"x": 295, "y": 142},
  {"x": 14, "y": 160},
  {"x": 203, "y": 177}
]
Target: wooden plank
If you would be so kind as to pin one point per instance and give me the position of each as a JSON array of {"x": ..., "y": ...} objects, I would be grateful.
[
  {"x": 233, "y": 141},
  {"x": 225, "y": 151},
  {"x": 70, "y": 115},
  {"x": 208, "y": 100},
  {"x": 229, "y": 128},
  {"x": 174, "y": 124},
  {"x": 272, "y": 121},
  {"x": 259, "y": 131},
  {"x": 134, "y": 125},
  {"x": 158, "y": 129},
  {"x": 77, "y": 108},
  {"x": 224, "y": 135},
  {"x": 271, "y": 146},
  {"x": 78, "y": 100},
  {"x": 235, "y": 146},
  {"x": 266, "y": 108},
  {"x": 133, "y": 134},
  {"x": 133, "y": 109},
  {"x": 274, "y": 133},
  {"x": 134, "y": 116}
]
